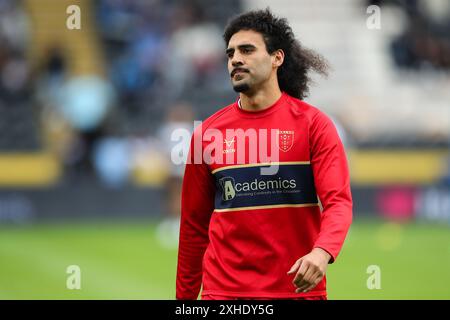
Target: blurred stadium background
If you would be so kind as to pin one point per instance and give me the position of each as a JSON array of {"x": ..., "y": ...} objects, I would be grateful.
[{"x": 86, "y": 116}]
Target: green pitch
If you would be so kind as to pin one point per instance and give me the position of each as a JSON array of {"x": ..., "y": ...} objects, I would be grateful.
[{"x": 126, "y": 262}]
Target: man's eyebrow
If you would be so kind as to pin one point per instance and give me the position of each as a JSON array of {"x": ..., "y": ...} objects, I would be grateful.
[
  {"x": 242, "y": 46},
  {"x": 246, "y": 46},
  {"x": 229, "y": 50}
]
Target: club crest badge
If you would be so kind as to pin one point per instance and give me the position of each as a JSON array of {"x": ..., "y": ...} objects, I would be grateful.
[{"x": 285, "y": 140}]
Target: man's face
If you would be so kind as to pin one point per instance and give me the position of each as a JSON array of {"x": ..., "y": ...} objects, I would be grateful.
[{"x": 249, "y": 63}]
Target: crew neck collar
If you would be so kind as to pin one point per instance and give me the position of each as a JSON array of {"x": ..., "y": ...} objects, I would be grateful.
[{"x": 261, "y": 113}]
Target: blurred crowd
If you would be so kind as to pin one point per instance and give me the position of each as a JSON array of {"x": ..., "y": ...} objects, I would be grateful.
[
  {"x": 425, "y": 42},
  {"x": 109, "y": 126},
  {"x": 160, "y": 49},
  {"x": 160, "y": 57},
  {"x": 15, "y": 78}
]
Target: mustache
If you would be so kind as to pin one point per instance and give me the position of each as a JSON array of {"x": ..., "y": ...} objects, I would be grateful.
[{"x": 240, "y": 70}]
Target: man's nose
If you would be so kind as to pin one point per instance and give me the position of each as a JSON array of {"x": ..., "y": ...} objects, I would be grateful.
[{"x": 237, "y": 60}]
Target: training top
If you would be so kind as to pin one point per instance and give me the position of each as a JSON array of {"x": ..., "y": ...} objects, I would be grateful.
[{"x": 261, "y": 190}]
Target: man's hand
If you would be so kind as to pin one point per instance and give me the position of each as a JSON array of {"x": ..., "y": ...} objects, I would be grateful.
[{"x": 310, "y": 269}]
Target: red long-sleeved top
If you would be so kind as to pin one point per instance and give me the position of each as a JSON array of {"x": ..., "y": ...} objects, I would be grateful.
[{"x": 241, "y": 231}]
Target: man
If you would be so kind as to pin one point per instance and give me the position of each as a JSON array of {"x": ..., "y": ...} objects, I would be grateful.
[{"x": 246, "y": 234}]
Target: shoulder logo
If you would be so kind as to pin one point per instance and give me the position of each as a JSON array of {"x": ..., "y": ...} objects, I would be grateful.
[{"x": 285, "y": 140}]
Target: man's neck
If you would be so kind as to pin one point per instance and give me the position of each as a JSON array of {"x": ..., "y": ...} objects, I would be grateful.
[{"x": 260, "y": 100}]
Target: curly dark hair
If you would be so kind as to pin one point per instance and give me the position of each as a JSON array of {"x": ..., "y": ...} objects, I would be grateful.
[{"x": 293, "y": 77}]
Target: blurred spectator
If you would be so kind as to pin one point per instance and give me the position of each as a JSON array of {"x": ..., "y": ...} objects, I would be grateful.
[
  {"x": 85, "y": 104},
  {"x": 16, "y": 118},
  {"x": 14, "y": 25},
  {"x": 61, "y": 137},
  {"x": 14, "y": 38},
  {"x": 14, "y": 77},
  {"x": 196, "y": 51},
  {"x": 112, "y": 161},
  {"x": 50, "y": 79}
]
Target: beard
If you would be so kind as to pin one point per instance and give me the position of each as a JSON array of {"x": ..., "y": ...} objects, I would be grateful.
[{"x": 242, "y": 87}]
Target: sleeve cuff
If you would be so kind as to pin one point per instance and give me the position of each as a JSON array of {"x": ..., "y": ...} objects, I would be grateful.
[{"x": 332, "y": 257}]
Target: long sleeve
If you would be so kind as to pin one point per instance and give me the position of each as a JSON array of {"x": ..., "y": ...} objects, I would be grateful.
[
  {"x": 332, "y": 181},
  {"x": 197, "y": 205}
]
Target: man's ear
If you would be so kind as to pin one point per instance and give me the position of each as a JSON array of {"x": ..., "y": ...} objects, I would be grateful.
[{"x": 278, "y": 56}]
